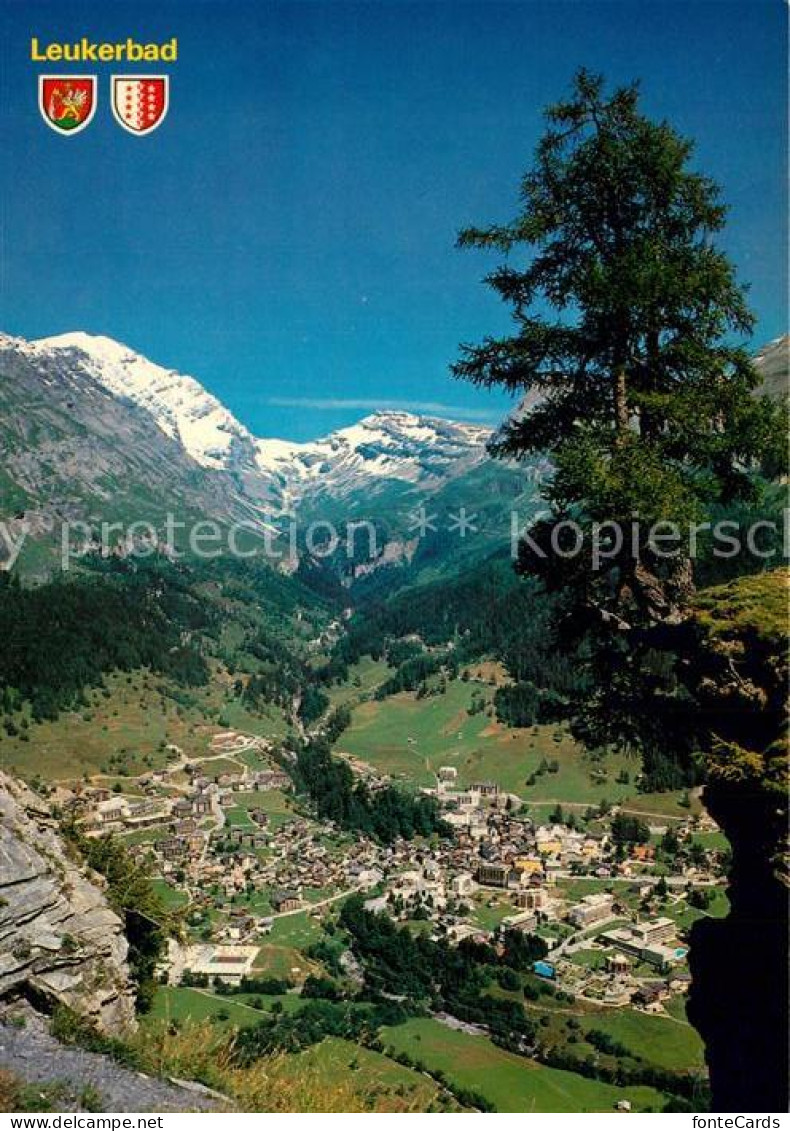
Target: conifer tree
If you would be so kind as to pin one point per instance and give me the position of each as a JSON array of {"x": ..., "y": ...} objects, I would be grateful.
[{"x": 625, "y": 317}]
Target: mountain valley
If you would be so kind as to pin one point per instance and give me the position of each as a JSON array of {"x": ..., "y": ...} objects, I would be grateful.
[{"x": 355, "y": 775}]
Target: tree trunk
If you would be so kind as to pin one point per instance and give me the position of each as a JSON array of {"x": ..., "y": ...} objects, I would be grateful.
[
  {"x": 620, "y": 403},
  {"x": 650, "y": 424}
]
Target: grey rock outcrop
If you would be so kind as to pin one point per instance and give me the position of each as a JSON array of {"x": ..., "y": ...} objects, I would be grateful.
[
  {"x": 59, "y": 939},
  {"x": 31, "y": 1054}
]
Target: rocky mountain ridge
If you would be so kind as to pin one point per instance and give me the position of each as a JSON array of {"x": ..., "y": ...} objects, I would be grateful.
[
  {"x": 92, "y": 432},
  {"x": 385, "y": 445}
]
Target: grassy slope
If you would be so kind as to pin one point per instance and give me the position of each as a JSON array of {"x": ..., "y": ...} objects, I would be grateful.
[
  {"x": 663, "y": 1041},
  {"x": 387, "y": 1086},
  {"x": 134, "y": 719},
  {"x": 410, "y": 738},
  {"x": 178, "y": 1004},
  {"x": 363, "y": 678},
  {"x": 509, "y": 1081},
  {"x": 172, "y": 897}
]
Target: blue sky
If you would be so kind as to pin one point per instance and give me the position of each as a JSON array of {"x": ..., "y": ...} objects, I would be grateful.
[{"x": 287, "y": 235}]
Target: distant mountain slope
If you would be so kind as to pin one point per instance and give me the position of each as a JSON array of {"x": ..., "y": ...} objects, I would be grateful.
[
  {"x": 383, "y": 446},
  {"x": 773, "y": 364},
  {"x": 73, "y": 451},
  {"x": 180, "y": 406},
  {"x": 91, "y": 430},
  {"x": 76, "y": 416}
]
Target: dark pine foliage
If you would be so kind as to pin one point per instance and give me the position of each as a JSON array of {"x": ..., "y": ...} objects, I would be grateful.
[
  {"x": 485, "y": 612},
  {"x": 62, "y": 637},
  {"x": 385, "y": 814},
  {"x": 433, "y": 973}
]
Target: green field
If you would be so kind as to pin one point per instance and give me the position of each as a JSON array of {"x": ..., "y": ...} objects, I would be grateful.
[
  {"x": 589, "y": 959},
  {"x": 662, "y": 1041},
  {"x": 146, "y": 836},
  {"x": 130, "y": 717},
  {"x": 712, "y": 841},
  {"x": 385, "y": 1084},
  {"x": 266, "y": 723},
  {"x": 277, "y": 961},
  {"x": 676, "y": 1007},
  {"x": 718, "y": 909},
  {"x": 298, "y": 930},
  {"x": 238, "y": 818},
  {"x": 512, "y": 1083},
  {"x": 488, "y": 910},
  {"x": 669, "y": 804},
  {"x": 180, "y": 1003},
  {"x": 132, "y": 720},
  {"x": 278, "y": 805},
  {"x": 576, "y": 889},
  {"x": 665, "y": 1042},
  {"x": 172, "y": 897},
  {"x": 363, "y": 678},
  {"x": 176, "y": 1003},
  {"x": 410, "y": 738}
]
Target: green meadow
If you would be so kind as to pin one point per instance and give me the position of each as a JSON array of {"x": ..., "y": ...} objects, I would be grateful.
[
  {"x": 409, "y": 738},
  {"x": 126, "y": 724},
  {"x": 510, "y": 1082},
  {"x": 662, "y": 1041},
  {"x": 392, "y": 1086}
]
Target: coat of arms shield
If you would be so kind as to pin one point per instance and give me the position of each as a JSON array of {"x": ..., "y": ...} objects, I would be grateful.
[
  {"x": 140, "y": 102},
  {"x": 67, "y": 102}
]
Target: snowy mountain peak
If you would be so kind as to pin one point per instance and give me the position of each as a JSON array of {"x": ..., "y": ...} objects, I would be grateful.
[
  {"x": 387, "y": 444},
  {"x": 393, "y": 421},
  {"x": 390, "y": 444},
  {"x": 96, "y": 345},
  {"x": 179, "y": 404}
]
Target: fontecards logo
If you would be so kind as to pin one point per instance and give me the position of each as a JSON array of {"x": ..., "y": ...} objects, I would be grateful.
[{"x": 139, "y": 103}]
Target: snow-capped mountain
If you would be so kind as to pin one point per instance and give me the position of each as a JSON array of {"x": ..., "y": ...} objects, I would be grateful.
[
  {"x": 75, "y": 452},
  {"x": 92, "y": 432},
  {"x": 382, "y": 447},
  {"x": 178, "y": 404},
  {"x": 772, "y": 363}
]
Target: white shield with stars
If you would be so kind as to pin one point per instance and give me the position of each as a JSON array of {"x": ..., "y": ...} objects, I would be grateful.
[{"x": 140, "y": 102}]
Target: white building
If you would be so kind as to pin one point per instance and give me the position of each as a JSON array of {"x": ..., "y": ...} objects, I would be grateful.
[
  {"x": 229, "y": 963},
  {"x": 592, "y": 909}
]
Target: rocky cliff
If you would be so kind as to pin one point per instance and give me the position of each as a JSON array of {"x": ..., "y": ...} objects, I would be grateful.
[
  {"x": 739, "y": 996},
  {"x": 59, "y": 939}
]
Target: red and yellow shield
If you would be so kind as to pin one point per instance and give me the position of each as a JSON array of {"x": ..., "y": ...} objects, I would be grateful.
[
  {"x": 67, "y": 102},
  {"x": 139, "y": 102}
]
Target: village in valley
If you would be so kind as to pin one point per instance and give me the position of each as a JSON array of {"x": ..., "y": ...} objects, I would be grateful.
[
  {"x": 612, "y": 892},
  {"x": 407, "y": 878}
]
